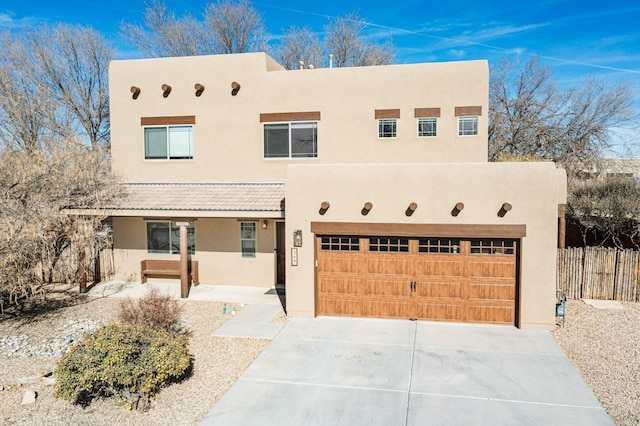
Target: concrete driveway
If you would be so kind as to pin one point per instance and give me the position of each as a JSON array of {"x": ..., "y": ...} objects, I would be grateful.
[{"x": 343, "y": 371}]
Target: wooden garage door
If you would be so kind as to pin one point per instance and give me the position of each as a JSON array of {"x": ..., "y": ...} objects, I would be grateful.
[{"x": 469, "y": 280}]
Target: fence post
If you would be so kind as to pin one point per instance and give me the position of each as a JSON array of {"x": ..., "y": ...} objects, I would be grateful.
[{"x": 81, "y": 273}]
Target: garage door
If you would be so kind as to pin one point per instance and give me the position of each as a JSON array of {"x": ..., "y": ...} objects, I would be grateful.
[{"x": 442, "y": 279}]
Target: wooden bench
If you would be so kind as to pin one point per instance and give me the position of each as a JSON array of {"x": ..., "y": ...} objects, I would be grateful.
[{"x": 167, "y": 268}]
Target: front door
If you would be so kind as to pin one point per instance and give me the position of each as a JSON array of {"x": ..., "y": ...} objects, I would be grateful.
[{"x": 280, "y": 253}]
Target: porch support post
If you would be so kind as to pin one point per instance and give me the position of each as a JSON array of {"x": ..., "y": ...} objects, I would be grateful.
[
  {"x": 562, "y": 225},
  {"x": 184, "y": 260}
]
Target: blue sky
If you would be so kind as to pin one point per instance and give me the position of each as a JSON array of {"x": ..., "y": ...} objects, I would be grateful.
[{"x": 576, "y": 39}]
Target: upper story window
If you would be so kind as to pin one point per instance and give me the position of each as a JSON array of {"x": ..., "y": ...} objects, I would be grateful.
[
  {"x": 168, "y": 143},
  {"x": 291, "y": 140},
  {"x": 467, "y": 126},
  {"x": 164, "y": 237},
  {"x": 427, "y": 127},
  {"x": 427, "y": 121},
  {"x": 387, "y": 122},
  {"x": 168, "y": 138},
  {"x": 468, "y": 119},
  {"x": 387, "y": 128}
]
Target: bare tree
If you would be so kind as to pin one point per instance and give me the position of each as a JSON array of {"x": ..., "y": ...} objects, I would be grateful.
[
  {"x": 227, "y": 27},
  {"x": 36, "y": 190},
  {"x": 607, "y": 209},
  {"x": 163, "y": 34},
  {"x": 26, "y": 100},
  {"x": 54, "y": 83},
  {"x": 75, "y": 63},
  {"x": 344, "y": 38},
  {"x": 236, "y": 26},
  {"x": 299, "y": 44},
  {"x": 529, "y": 115}
]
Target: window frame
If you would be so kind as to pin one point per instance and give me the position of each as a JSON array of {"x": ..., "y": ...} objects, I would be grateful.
[
  {"x": 465, "y": 118},
  {"x": 191, "y": 229},
  {"x": 435, "y": 127},
  {"x": 249, "y": 255},
  {"x": 289, "y": 124},
  {"x": 394, "y": 132},
  {"x": 167, "y": 128}
]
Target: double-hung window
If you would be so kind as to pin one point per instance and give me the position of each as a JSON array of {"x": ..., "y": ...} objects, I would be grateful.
[
  {"x": 467, "y": 126},
  {"x": 168, "y": 143},
  {"x": 164, "y": 237},
  {"x": 248, "y": 239},
  {"x": 297, "y": 139}
]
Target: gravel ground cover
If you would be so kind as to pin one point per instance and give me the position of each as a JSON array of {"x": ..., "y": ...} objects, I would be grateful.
[
  {"x": 604, "y": 345},
  {"x": 217, "y": 364}
]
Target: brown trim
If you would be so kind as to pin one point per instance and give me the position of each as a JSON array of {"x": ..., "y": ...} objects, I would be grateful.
[
  {"x": 468, "y": 110},
  {"x": 562, "y": 210},
  {"x": 426, "y": 112},
  {"x": 289, "y": 116},
  {"x": 159, "y": 121},
  {"x": 422, "y": 230},
  {"x": 387, "y": 113}
]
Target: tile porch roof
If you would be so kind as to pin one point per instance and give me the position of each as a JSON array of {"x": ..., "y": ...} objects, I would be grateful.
[{"x": 265, "y": 197}]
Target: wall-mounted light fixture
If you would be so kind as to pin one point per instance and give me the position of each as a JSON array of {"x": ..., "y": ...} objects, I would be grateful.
[
  {"x": 297, "y": 238},
  {"x": 235, "y": 88},
  {"x": 324, "y": 206},
  {"x": 411, "y": 209},
  {"x": 264, "y": 223},
  {"x": 199, "y": 89},
  {"x": 166, "y": 89},
  {"x": 135, "y": 90},
  {"x": 506, "y": 207},
  {"x": 366, "y": 208},
  {"x": 457, "y": 209}
]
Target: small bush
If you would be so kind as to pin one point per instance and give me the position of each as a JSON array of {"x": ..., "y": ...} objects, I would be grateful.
[
  {"x": 154, "y": 310},
  {"x": 130, "y": 361}
]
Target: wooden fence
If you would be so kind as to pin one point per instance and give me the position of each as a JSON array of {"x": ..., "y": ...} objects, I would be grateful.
[
  {"x": 599, "y": 273},
  {"x": 98, "y": 267}
]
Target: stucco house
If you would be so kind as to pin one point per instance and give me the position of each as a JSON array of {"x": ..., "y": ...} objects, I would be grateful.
[{"x": 366, "y": 190}]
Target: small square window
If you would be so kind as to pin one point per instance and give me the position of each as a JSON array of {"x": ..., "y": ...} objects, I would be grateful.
[
  {"x": 387, "y": 128},
  {"x": 467, "y": 126},
  {"x": 427, "y": 127}
]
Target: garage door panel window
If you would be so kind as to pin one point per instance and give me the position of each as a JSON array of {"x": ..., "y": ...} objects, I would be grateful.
[
  {"x": 438, "y": 245},
  {"x": 336, "y": 243},
  {"x": 486, "y": 246},
  {"x": 387, "y": 244}
]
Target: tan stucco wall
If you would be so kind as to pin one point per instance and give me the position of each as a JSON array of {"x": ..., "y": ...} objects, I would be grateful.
[
  {"x": 533, "y": 189},
  {"x": 228, "y": 135},
  {"x": 218, "y": 252}
]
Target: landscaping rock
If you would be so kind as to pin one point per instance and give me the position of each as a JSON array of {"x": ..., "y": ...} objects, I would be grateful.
[{"x": 29, "y": 397}]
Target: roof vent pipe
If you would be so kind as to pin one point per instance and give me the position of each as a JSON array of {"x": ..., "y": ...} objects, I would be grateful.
[
  {"x": 330, "y": 60},
  {"x": 301, "y": 65}
]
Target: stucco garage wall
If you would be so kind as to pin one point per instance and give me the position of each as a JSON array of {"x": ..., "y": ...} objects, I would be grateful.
[
  {"x": 218, "y": 252},
  {"x": 533, "y": 189}
]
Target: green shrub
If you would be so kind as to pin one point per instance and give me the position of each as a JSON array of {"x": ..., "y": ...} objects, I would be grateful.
[
  {"x": 153, "y": 310},
  {"x": 127, "y": 360}
]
